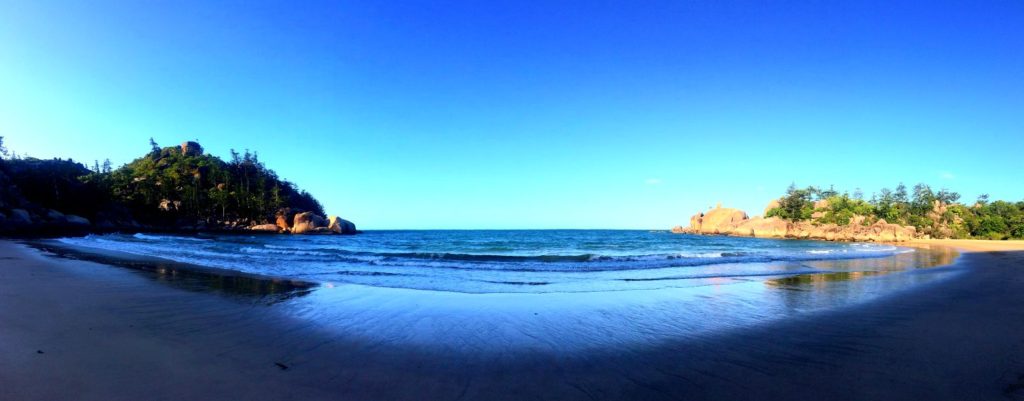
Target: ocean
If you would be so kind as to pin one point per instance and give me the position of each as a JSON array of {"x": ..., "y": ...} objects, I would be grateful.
[
  {"x": 559, "y": 290},
  {"x": 495, "y": 261}
]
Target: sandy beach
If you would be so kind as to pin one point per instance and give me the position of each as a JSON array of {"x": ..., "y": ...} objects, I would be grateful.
[
  {"x": 966, "y": 245},
  {"x": 73, "y": 329}
]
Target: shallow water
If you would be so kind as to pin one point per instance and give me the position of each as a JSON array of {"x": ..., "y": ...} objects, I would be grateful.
[
  {"x": 496, "y": 261},
  {"x": 550, "y": 291}
]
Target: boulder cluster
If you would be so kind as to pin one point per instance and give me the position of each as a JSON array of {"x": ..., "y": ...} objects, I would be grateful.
[
  {"x": 727, "y": 221},
  {"x": 298, "y": 222},
  {"x": 19, "y": 216},
  {"x": 40, "y": 220}
]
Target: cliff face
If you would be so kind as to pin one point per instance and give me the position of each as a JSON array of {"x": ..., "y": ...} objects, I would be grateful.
[{"x": 727, "y": 221}]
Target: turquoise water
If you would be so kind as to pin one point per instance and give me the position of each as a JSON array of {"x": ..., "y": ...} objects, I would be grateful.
[{"x": 496, "y": 261}]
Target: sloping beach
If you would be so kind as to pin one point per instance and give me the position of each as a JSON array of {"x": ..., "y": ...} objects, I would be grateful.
[{"x": 78, "y": 329}]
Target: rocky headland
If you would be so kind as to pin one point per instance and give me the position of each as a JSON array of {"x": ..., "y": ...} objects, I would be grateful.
[
  {"x": 175, "y": 189},
  {"x": 735, "y": 222}
]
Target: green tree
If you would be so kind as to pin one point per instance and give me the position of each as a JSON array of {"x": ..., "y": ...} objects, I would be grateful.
[{"x": 795, "y": 205}]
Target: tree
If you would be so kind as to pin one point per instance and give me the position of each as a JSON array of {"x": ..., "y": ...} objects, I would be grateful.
[
  {"x": 107, "y": 168},
  {"x": 796, "y": 205},
  {"x": 828, "y": 193},
  {"x": 3, "y": 150},
  {"x": 900, "y": 196},
  {"x": 923, "y": 198},
  {"x": 982, "y": 199},
  {"x": 946, "y": 196},
  {"x": 858, "y": 194},
  {"x": 154, "y": 148}
]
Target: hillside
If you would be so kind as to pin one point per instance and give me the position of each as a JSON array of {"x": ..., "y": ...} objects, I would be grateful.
[{"x": 177, "y": 188}]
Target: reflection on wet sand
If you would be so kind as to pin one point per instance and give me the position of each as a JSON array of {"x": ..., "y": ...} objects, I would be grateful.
[
  {"x": 855, "y": 269},
  {"x": 267, "y": 290},
  {"x": 843, "y": 282}
]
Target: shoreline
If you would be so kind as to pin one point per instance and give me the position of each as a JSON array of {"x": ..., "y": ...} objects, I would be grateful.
[
  {"x": 124, "y": 336},
  {"x": 969, "y": 245}
]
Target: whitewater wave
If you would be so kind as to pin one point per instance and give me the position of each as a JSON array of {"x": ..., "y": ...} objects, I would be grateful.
[{"x": 149, "y": 237}]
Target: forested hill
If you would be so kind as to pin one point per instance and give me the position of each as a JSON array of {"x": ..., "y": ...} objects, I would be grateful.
[
  {"x": 888, "y": 216},
  {"x": 170, "y": 188}
]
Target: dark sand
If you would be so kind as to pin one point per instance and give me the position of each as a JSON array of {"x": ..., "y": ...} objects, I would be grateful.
[{"x": 73, "y": 329}]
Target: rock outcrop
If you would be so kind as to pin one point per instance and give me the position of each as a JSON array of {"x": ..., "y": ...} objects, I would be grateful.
[
  {"x": 19, "y": 217},
  {"x": 285, "y": 218},
  {"x": 727, "y": 221},
  {"x": 717, "y": 220},
  {"x": 340, "y": 226},
  {"x": 265, "y": 228},
  {"x": 309, "y": 223},
  {"x": 77, "y": 220},
  {"x": 191, "y": 148}
]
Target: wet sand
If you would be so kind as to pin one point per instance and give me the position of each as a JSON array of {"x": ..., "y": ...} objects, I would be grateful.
[{"x": 74, "y": 329}]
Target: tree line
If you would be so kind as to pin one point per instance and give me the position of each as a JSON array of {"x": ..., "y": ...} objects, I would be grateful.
[
  {"x": 165, "y": 187},
  {"x": 939, "y": 214}
]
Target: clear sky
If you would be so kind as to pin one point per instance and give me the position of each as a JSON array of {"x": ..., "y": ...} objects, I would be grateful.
[{"x": 533, "y": 114}]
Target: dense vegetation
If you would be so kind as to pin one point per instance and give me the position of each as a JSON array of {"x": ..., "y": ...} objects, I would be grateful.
[
  {"x": 937, "y": 214},
  {"x": 172, "y": 186}
]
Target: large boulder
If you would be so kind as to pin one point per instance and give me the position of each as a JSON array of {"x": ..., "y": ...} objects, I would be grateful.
[
  {"x": 283, "y": 223},
  {"x": 695, "y": 222},
  {"x": 55, "y": 216},
  {"x": 905, "y": 233},
  {"x": 340, "y": 225},
  {"x": 20, "y": 217},
  {"x": 284, "y": 218},
  {"x": 309, "y": 222},
  {"x": 772, "y": 205},
  {"x": 265, "y": 228},
  {"x": 191, "y": 148},
  {"x": 168, "y": 205},
  {"x": 772, "y": 227},
  {"x": 719, "y": 220},
  {"x": 73, "y": 220},
  {"x": 882, "y": 231}
]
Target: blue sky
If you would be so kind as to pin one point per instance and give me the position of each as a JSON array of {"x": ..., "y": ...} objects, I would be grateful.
[{"x": 521, "y": 114}]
